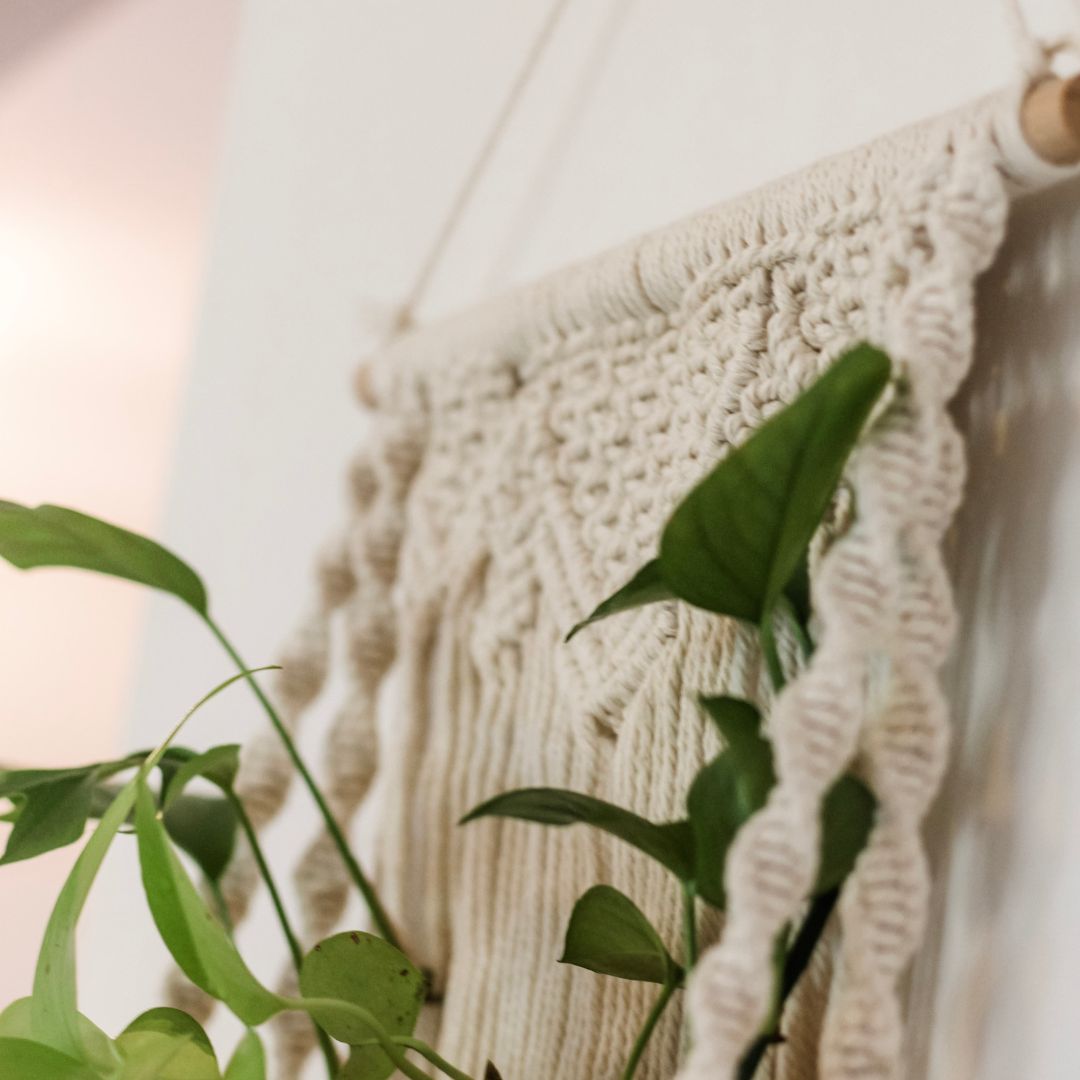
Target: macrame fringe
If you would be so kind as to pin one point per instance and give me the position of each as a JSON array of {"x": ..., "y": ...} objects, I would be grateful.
[{"x": 886, "y": 620}]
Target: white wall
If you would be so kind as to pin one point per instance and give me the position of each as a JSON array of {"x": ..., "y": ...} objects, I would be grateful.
[
  {"x": 996, "y": 993},
  {"x": 109, "y": 120},
  {"x": 351, "y": 126}
]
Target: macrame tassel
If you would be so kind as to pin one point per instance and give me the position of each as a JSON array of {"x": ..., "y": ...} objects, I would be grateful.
[
  {"x": 379, "y": 482},
  {"x": 883, "y": 909},
  {"x": 886, "y": 618}
]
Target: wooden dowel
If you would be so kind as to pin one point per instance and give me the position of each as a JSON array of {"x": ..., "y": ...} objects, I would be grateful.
[{"x": 1050, "y": 119}]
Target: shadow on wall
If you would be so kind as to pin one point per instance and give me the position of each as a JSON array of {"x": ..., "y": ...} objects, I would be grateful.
[
  {"x": 1000, "y": 831},
  {"x": 25, "y": 26}
]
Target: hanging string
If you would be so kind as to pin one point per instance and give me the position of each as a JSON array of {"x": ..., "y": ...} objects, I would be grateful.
[
  {"x": 404, "y": 315},
  {"x": 1035, "y": 55},
  {"x": 552, "y": 157}
]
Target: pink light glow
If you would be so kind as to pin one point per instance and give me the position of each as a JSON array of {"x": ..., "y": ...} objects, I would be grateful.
[{"x": 109, "y": 129}]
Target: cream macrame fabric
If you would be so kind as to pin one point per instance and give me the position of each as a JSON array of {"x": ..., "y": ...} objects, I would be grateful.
[{"x": 522, "y": 461}]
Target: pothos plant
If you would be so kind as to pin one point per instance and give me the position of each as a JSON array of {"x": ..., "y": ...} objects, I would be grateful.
[{"x": 736, "y": 546}]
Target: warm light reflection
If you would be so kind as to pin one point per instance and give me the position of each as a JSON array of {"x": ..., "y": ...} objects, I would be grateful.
[{"x": 103, "y": 207}]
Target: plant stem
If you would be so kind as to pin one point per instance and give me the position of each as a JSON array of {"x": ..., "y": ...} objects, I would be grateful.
[
  {"x": 439, "y": 1062},
  {"x": 798, "y": 956},
  {"x": 295, "y": 951},
  {"x": 806, "y": 646},
  {"x": 750, "y": 1062},
  {"x": 690, "y": 925},
  {"x": 388, "y": 1043},
  {"x": 646, "y": 1032},
  {"x": 798, "y": 628},
  {"x": 767, "y": 636},
  {"x": 779, "y": 964},
  {"x": 422, "y": 1048},
  {"x": 378, "y": 913},
  {"x": 802, "y": 948}
]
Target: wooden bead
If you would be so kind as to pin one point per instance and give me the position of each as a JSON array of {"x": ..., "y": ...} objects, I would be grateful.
[{"x": 1050, "y": 118}]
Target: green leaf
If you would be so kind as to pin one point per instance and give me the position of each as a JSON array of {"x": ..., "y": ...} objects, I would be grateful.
[
  {"x": 647, "y": 586},
  {"x": 739, "y": 723},
  {"x": 197, "y": 942},
  {"x": 609, "y": 934},
  {"x": 491, "y": 1073},
  {"x": 667, "y": 844},
  {"x": 98, "y": 1052},
  {"x": 21, "y": 1059},
  {"x": 847, "y": 816},
  {"x": 736, "y": 785},
  {"x": 166, "y": 1044},
  {"x": 54, "y": 805},
  {"x": 54, "y": 1012},
  {"x": 53, "y": 1009},
  {"x": 248, "y": 1061},
  {"x": 55, "y": 536},
  {"x": 169, "y": 1021},
  {"x": 205, "y": 827},
  {"x": 52, "y": 815},
  {"x": 727, "y": 791},
  {"x": 716, "y": 809},
  {"x": 20, "y": 781},
  {"x": 738, "y": 539},
  {"x": 367, "y": 971},
  {"x": 219, "y": 765}
]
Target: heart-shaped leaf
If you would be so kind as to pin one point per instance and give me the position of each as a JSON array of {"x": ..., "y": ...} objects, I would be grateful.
[
  {"x": 20, "y": 781},
  {"x": 54, "y": 805},
  {"x": 98, "y": 1051},
  {"x": 847, "y": 816},
  {"x": 647, "y": 586},
  {"x": 669, "y": 844},
  {"x": 739, "y": 538},
  {"x": 166, "y": 1044},
  {"x": 205, "y": 827},
  {"x": 219, "y": 765},
  {"x": 55, "y": 536},
  {"x": 717, "y": 810},
  {"x": 51, "y": 815},
  {"x": 21, "y": 1059},
  {"x": 609, "y": 934},
  {"x": 367, "y": 971},
  {"x": 197, "y": 942},
  {"x": 735, "y": 785},
  {"x": 248, "y": 1061},
  {"x": 739, "y": 723},
  {"x": 727, "y": 790}
]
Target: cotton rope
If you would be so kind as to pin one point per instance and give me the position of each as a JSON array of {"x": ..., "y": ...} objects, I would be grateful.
[
  {"x": 403, "y": 316},
  {"x": 1033, "y": 54},
  {"x": 524, "y": 458}
]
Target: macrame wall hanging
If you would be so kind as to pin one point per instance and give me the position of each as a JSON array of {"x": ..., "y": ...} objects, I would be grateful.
[{"x": 522, "y": 459}]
